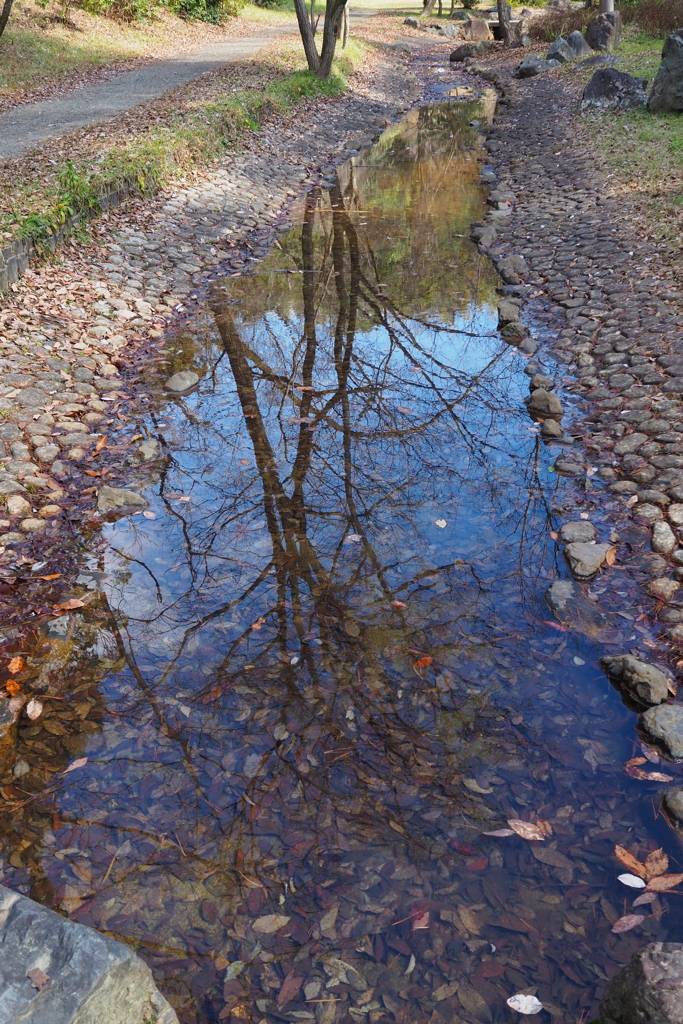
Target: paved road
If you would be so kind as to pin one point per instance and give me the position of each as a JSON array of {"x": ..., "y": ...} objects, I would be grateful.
[{"x": 25, "y": 127}]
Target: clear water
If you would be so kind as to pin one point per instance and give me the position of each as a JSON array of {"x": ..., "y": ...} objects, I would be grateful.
[{"x": 310, "y": 683}]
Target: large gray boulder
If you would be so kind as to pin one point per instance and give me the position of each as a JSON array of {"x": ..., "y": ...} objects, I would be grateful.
[
  {"x": 182, "y": 381},
  {"x": 610, "y": 89},
  {"x": 535, "y": 65},
  {"x": 644, "y": 683},
  {"x": 667, "y": 88},
  {"x": 54, "y": 971},
  {"x": 672, "y": 802},
  {"x": 576, "y": 41},
  {"x": 664, "y": 726},
  {"x": 474, "y": 49},
  {"x": 648, "y": 990},
  {"x": 604, "y": 31},
  {"x": 561, "y": 51},
  {"x": 578, "y": 530}
]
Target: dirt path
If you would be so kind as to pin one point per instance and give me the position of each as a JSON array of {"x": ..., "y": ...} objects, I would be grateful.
[{"x": 26, "y": 127}]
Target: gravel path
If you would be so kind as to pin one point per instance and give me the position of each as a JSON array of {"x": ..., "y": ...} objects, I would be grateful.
[{"x": 25, "y": 127}]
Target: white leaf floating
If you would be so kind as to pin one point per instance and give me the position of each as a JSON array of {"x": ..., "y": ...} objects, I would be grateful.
[
  {"x": 441, "y": 523},
  {"x": 632, "y": 880},
  {"x": 525, "y": 1004}
]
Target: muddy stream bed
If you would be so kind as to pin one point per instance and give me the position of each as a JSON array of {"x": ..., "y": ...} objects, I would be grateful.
[{"x": 319, "y": 667}]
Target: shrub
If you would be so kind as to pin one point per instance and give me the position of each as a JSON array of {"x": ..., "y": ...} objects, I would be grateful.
[
  {"x": 552, "y": 24},
  {"x": 655, "y": 17}
]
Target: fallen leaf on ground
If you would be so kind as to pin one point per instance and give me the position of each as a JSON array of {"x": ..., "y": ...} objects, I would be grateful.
[
  {"x": 34, "y": 709},
  {"x": 656, "y": 863},
  {"x": 624, "y": 924},
  {"x": 12, "y": 687},
  {"x": 15, "y": 665},
  {"x": 101, "y": 443},
  {"x": 525, "y": 1004},
  {"x": 423, "y": 662},
  {"x": 290, "y": 988},
  {"x": 630, "y": 862},
  {"x": 269, "y": 924},
  {"x": 67, "y": 606},
  {"x": 39, "y": 979},
  {"x": 632, "y": 880},
  {"x": 663, "y": 882},
  {"x": 78, "y": 763},
  {"x": 611, "y": 556},
  {"x": 526, "y": 829},
  {"x": 52, "y": 576}
]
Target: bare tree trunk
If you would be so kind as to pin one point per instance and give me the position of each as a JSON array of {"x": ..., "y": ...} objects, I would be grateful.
[
  {"x": 335, "y": 9},
  {"x": 4, "y": 14},
  {"x": 440, "y": 14},
  {"x": 343, "y": 27},
  {"x": 504, "y": 22},
  {"x": 313, "y": 25},
  {"x": 428, "y": 8},
  {"x": 606, "y": 6},
  {"x": 307, "y": 38}
]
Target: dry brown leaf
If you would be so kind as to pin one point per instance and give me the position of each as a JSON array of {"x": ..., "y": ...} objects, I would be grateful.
[
  {"x": 526, "y": 829},
  {"x": 15, "y": 665},
  {"x": 470, "y": 920},
  {"x": 269, "y": 924},
  {"x": 611, "y": 555},
  {"x": 12, "y": 687},
  {"x": 101, "y": 443},
  {"x": 544, "y": 826},
  {"x": 663, "y": 882},
  {"x": 630, "y": 862},
  {"x": 39, "y": 979}
]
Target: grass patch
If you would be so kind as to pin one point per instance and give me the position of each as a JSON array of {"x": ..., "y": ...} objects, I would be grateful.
[
  {"x": 643, "y": 152},
  {"x": 188, "y": 139}
]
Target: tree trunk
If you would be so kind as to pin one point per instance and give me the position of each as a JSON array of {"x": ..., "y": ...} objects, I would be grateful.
[
  {"x": 428, "y": 8},
  {"x": 307, "y": 36},
  {"x": 4, "y": 14},
  {"x": 606, "y": 6},
  {"x": 335, "y": 9},
  {"x": 440, "y": 14},
  {"x": 504, "y": 22},
  {"x": 343, "y": 27}
]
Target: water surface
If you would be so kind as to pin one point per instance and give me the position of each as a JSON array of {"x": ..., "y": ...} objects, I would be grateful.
[{"x": 321, "y": 667}]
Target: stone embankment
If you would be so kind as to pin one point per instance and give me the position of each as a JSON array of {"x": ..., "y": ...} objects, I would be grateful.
[{"x": 584, "y": 295}]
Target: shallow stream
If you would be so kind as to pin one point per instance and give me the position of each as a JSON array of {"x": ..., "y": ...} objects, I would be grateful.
[{"x": 320, "y": 667}]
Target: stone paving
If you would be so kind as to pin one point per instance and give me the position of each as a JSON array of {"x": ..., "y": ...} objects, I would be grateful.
[
  {"x": 66, "y": 331},
  {"x": 599, "y": 303}
]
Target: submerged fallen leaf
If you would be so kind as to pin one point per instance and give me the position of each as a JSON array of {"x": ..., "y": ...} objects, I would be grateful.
[
  {"x": 421, "y": 921},
  {"x": 148, "y": 514},
  {"x": 500, "y": 833},
  {"x": 12, "y": 687},
  {"x": 663, "y": 882},
  {"x": 34, "y": 709},
  {"x": 269, "y": 924},
  {"x": 632, "y": 880},
  {"x": 630, "y": 862},
  {"x": 423, "y": 662},
  {"x": 398, "y": 604},
  {"x": 67, "y": 606},
  {"x": 656, "y": 863},
  {"x": 16, "y": 664},
  {"x": 611, "y": 555},
  {"x": 624, "y": 924},
  {"x": 527, "y": 830},
  {"x": 647, "y": 897},
  {"x": 257, "y": 624},
  {"x": 78, "y": 763},
  {"x": 525, "y": 1004},
  {"x": 643, "y": 776}
]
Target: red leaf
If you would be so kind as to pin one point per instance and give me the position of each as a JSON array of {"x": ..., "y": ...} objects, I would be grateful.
[
  {"x": 477, "y": 865},
  {"x": 423, "y": 662},
  {"x": 290, "y": 988}
]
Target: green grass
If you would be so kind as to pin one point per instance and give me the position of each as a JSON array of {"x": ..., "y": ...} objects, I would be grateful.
[
  {"x": 644, "y": 151},
  {"x": 188, "y": 139}
]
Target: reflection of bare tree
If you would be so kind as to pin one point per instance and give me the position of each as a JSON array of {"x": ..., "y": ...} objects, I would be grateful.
[{"x": 271, "y": 748}]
